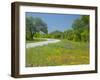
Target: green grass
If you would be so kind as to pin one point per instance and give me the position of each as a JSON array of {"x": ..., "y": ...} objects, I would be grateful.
[
  {"x": 55, "y": 54},
  {"x": 35, "y": 40}
]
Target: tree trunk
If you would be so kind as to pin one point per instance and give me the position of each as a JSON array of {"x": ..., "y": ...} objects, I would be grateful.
[{"x": 31, "y": 36}]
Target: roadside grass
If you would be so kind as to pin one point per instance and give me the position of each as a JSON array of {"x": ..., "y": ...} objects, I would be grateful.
[
  {"x": 58, "y": 54},
  {"x": 35, "y": 40}
]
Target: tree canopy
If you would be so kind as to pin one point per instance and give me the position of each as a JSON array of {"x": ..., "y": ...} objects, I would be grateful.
[
  {"x": 80, "y": 30},
  {"x": 33, "y": 25}
]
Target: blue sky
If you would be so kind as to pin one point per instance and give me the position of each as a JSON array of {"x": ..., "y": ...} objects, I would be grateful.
[{"x": 54, "y": 22}]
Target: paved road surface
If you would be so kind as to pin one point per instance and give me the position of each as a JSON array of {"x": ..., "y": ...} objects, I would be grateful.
[{"x": 35, "y": 44}]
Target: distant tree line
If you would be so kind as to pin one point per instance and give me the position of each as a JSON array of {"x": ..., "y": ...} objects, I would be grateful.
[{"x": 36, "y": 27}]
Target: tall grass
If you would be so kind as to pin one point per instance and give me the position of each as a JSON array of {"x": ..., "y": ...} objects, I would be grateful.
[{"x": 55, "y": 54}]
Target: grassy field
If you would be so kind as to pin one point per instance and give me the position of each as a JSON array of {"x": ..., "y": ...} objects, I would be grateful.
[{"x": 55, "y": 54}]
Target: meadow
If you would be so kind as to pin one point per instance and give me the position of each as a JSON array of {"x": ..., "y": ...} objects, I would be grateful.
[{"x": 62, "y": 53}]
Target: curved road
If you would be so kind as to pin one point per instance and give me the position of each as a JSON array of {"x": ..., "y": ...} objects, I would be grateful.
[{"x": 35, "y": 44}]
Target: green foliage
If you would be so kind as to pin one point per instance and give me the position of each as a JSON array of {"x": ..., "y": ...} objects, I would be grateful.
[
  {"x": 37, "y": 35},
  {"x": 57, "y": 34},
  {"x": 69, "y": 34},
  {"x": 80, "y": 30},
  {"x": 33, "y": 25}
]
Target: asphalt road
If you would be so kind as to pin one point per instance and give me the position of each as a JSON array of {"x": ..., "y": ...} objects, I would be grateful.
[{"x": 42, "y": 43}]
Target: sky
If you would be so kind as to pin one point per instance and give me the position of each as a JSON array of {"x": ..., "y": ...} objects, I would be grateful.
[{"x": 54, "y": 22}]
